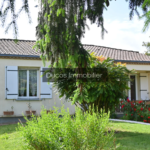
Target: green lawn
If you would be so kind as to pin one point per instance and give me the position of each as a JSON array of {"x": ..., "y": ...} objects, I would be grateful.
[
  {"x": 10, "y": 138},
  {"x": 130, "y": 136}
]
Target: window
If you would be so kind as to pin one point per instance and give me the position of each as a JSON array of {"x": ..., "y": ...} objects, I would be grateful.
[
  {"x": 24, "y": 83},
  {"x": 28, "y": 83}
]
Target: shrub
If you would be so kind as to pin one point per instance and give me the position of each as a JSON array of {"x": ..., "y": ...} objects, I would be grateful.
[
  {"x": 136, "y": 111},
  {"x": 104, "y": 92},
  {"x": 84, "y": 131}
]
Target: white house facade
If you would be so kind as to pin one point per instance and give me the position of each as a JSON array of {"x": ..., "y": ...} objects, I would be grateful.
[
  {"x": 140, "y": 84},
  {"x": 21, "y": 84}
]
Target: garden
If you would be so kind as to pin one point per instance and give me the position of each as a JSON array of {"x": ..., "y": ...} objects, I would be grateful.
[
  {"x": 61, "y": 26},
  {"x": 127, "y": 136},
  {"x": 137, "y": 111},
  {"x": 90, "y": 129}
]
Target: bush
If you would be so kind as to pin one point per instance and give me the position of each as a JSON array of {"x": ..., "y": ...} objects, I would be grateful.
[
  {"x": 136, "y": 111},
  {"x": 84, "y": 131},
  {"x": 106, "y": 91}
]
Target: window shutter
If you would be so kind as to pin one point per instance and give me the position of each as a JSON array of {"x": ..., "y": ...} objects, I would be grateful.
[
  {"x": 11, "y": 82},
  {"x": 46, "y": 89}
]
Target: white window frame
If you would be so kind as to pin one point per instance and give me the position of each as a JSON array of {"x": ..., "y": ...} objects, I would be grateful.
[{"x": 29, "y": 97}]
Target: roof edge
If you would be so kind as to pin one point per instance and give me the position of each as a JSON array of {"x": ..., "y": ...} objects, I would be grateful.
[
  {"x": 25, "y": 56},
  {"x": 18, "y": 40},
  {"x": 36, "y": 56},
  {"x": 133, "y": 61}
]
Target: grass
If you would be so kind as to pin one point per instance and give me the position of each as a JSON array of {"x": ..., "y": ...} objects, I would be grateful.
[
  {"x": 130, "y": 136},
  {"x": 10, "y": 138}
]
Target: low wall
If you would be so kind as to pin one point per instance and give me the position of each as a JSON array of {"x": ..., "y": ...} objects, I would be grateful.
[{"x": 11, "y": 120}]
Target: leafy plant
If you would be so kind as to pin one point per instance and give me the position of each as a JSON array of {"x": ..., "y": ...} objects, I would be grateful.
[
  {"x": 29, "y": 106},
  {"x": 136, "y": 111},
  {"x": 103, "y": 92},
  {"x": 86, "y": 131}
]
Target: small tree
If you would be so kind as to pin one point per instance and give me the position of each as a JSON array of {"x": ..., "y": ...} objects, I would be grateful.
[{"x": 104, "y": 92}]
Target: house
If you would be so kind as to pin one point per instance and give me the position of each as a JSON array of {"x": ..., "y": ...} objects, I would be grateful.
[
  {"x": 22, "y": 87},
  {"x": 140, "y": 85}
]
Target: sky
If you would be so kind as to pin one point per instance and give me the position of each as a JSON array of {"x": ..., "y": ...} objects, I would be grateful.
[{"x": 123, "y": 33}]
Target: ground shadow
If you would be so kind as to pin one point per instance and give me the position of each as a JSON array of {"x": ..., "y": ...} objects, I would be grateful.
[{"x": 133, "y": 140}]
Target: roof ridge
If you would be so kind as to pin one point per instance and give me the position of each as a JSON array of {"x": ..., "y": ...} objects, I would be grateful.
[
  {"x": 111, "y": 48},
  {"x": 18, "y": 40}
]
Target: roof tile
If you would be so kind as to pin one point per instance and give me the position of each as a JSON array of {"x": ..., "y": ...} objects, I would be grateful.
[{"x": 24, "y": 47}]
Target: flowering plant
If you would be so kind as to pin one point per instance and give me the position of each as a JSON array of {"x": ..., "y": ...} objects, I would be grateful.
[{"x": 137, "y": 111}]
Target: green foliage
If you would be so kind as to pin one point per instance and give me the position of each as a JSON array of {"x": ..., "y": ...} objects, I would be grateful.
[
  {"x": 136, "y": 111},
  {"x": 113, "y": 114},
  {"x": 5, "y": 136},
  {"x": 86, "y": 131},
  {"x": 147, "y": 45},
  {"x": 105, "y": 92},
  {"x": 146, "y": 15},
  {"x": 93, "y": 9},
  {"x": 65, "y": 23},
  {"x": 134, "y": 4},
  {"x": 9, "y": 8}
]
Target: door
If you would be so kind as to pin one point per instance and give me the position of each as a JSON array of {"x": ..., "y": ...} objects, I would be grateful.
[
  {"x": 133, "y": 88},
  {"x": 144, "y": 86}
]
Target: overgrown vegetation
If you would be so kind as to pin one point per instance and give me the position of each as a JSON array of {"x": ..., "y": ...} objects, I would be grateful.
[
  {"x": 136, "y": 111},
  {"x": 129, "y": 136},
  {"x": 86, "y": 131},
  {"x": 105, "y": 91}
]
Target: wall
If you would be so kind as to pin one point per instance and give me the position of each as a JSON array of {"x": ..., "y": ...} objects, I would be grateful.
[
  {"x": 21, "y": 106},
  {"x": 140, "y": 69}
]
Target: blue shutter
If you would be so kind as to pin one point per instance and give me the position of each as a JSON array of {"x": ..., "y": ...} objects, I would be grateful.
[
  {"x": 11, "y": 82},
  {"x": 46, "y": 89}
]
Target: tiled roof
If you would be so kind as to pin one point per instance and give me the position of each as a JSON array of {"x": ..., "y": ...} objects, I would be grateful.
[
  {"x": 117, "y": 54},
  {"x": 23, "y": 48}
]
